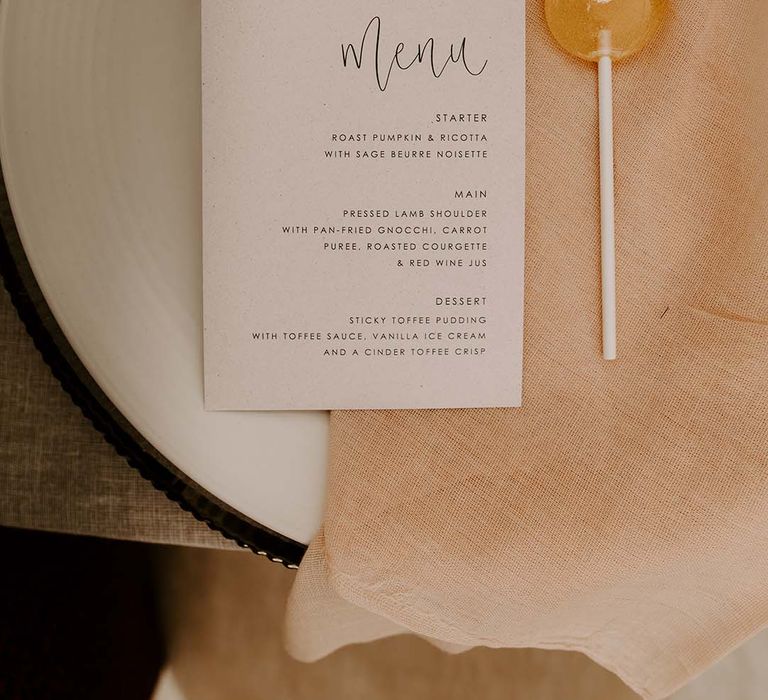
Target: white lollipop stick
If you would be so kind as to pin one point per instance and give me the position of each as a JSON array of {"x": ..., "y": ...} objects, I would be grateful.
[{"x": 607, "y": 228}]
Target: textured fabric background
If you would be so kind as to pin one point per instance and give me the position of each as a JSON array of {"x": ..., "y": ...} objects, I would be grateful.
[
  {"x": 223, "y": 614},
  {"x": 623, "y": 511},
  {"x": 58, "y": 473}
]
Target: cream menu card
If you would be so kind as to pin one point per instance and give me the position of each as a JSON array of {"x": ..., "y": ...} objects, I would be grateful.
[{"x": 363, "y": 194}]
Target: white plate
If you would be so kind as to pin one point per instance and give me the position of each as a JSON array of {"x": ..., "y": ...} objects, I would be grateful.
[{"x": 100, "y": 146}]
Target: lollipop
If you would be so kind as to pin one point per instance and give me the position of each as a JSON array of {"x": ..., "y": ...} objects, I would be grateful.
[{"x": 605, "y": 31}]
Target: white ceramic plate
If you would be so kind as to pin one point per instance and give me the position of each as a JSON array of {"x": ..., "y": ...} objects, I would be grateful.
[{"x": 100, "y": 147}]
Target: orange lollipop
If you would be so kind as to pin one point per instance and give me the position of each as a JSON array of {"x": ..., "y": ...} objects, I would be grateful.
[{"x": 605, "y": 31}]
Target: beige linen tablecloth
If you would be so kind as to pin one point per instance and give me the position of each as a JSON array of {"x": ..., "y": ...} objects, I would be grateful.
[
  {"x": 623, "y": 511},
  {"x": 58, "y": 473}
]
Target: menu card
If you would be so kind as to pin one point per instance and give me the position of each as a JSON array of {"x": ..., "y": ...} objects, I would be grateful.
[{"x": 363, "y": 203}]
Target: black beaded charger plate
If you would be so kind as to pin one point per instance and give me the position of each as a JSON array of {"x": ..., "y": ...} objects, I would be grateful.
[
  {"x": 100, "y": 147},
  {"x": 41, "y": 325}
]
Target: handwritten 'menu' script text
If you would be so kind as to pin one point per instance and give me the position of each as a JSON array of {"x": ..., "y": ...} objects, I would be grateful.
[{"x": 424, "y": 53}]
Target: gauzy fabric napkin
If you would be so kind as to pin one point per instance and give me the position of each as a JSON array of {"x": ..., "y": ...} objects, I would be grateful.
[{"x": 623, "y": 510}]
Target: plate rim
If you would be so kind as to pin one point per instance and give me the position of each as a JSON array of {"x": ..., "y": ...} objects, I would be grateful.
[{"x": 128, "y": 443}]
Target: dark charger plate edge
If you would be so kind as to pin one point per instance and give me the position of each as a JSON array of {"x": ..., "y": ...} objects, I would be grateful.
[{"x": 105, "y": 417}]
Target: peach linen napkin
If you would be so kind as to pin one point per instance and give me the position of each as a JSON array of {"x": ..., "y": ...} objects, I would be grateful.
[{"x": 623, "y": 510}]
